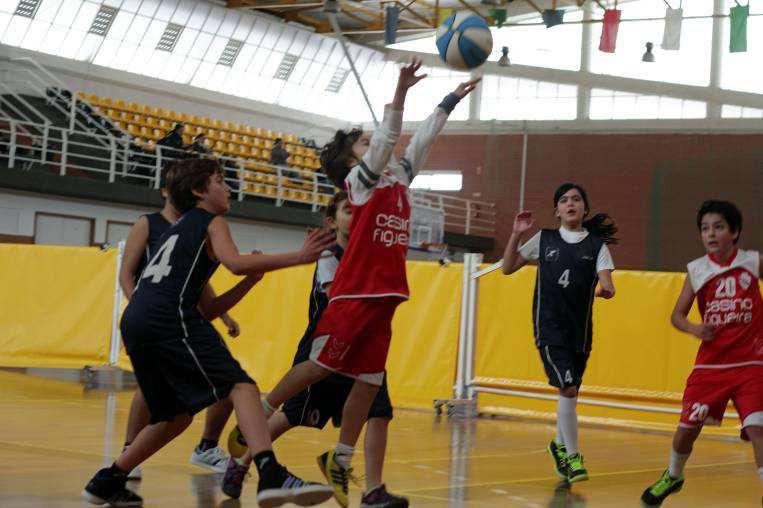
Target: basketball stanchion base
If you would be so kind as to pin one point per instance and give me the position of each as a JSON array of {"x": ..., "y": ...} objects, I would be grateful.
[{"x": 456, "y": 408}]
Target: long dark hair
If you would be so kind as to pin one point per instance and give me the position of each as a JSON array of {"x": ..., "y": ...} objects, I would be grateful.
[
  {"x": 336, "y": 154},
  {"x": 601, "y": 224}
]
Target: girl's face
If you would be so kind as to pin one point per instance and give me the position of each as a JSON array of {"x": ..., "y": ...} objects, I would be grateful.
[
  {"x": 359, "y": 148},
  {"x": 215, "y": 198},
  {"x": 717, "y": 236},
  {"x": 571, "y": 208}
]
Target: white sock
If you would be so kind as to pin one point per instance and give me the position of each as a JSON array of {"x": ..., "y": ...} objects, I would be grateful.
[
  {"x": 343, "y": 454},
  {"x": 760, "y": 472},
  {"x": 559, "y": 439},
  {"x": 677, "y": 463},
  {"x": 567, "y": 420},
  {"x": 267, "y": 408}
]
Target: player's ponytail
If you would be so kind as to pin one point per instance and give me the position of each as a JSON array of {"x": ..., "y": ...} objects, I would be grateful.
[
  {"x": 336, "y": 155},
  {"x": 603, "y": 226}
]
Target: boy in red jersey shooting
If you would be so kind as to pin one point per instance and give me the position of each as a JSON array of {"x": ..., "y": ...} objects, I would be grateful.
[
  {"x": 353, "y": 335},
  {"x": 729, "y": 363}
]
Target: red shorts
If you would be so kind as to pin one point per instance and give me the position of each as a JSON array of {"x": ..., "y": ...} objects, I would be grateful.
[
  {"x": 353, "y": 335},
  {"x": 708, "y": 392}
]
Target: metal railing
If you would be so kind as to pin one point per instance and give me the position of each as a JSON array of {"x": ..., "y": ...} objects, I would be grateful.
[{"x": 26, "y": 144}]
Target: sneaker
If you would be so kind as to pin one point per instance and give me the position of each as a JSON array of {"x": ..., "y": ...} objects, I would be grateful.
[
  {"x": 214, "y": 459},
  {"x": 280, "y": 487},
  {"x": 337, "y": 476},
  {"x": 559, "y": 453},
  {"x": 662, "y": 488},
  {"x": 236, "y": 443},
  {"x": 106, "y": 487},
  {"x": 233, "y": 480},
  {"x": 135, "y": 474},
  {"x": 380, "y": 498},
  {"x": 576, "y": 471}
]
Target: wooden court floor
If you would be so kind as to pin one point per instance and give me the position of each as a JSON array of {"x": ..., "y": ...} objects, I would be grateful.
[{"x": 55, "y": 434}]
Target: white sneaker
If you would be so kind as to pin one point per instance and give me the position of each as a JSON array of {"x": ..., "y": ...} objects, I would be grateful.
[
  {"x": 135, "y": 474},
  {"x": 215, "y": 459}
]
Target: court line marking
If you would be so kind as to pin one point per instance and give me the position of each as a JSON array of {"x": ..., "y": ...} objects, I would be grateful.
[{"x": 546, "y": 478}]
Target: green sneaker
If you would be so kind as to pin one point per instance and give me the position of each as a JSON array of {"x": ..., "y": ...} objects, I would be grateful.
[
  {"x": 559, "y": 453},
  {"x": 662, "y": 488},
  {"x": 576, "y": 471}
]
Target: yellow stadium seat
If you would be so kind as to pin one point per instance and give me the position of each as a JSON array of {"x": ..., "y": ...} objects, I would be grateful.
[
  {"x": 268, "y": 144},
  {"x": 184, "y": 117},
  {"x": 173, "y": 115},
  {"x": 246, "y": 140},
  {"x": 205, "y": 122},
  {"x": 157, "y": 134},
  {"x": 265, "y": 154},
  {"x": 164, "y": 124},
  {"x": 234, "y": 138},
  {"x": 258, "y": 143},
  {"x": 219, "y": 146},
  {"x": 187, "y": 139},
  {"x": 93, "y": 99},
  {"x": 291, "y": 138},
  {"x": 106, "y": 101},
  {"x": 254, "y": 152},
  {"x": 217, "y": 124},
  {"x": 151, "y": 121},
  {"x": 146, "y": 109},
  {"x": 120, "y": 104},
  {"x": 81, "y": 95},
  {"x": 241, "y": 128},
  {"x": 194, "y": 119},
  {"x": 229, "y": 126},
  {"x": 131, "y": 106}
]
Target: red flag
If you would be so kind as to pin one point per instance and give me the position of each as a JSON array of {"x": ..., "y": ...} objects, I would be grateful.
[{"x": 609, "y": 30}]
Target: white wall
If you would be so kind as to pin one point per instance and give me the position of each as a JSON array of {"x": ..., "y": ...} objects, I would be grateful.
[{"x": 17, "y": 217}]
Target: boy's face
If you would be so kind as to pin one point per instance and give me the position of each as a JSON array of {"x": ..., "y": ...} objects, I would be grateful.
[
  {"x": 341, "y": 223},
  {"x": 216, "y": 195},
  {"x": 359, "y": 148},
  {"x": 571, "y": 208},
  {"x": 717, "y": 236}
]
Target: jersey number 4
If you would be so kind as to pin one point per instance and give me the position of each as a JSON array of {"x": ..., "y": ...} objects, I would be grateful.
[
  {"x": 159, "y": 266},
  {"x": 564, "y": 280}
]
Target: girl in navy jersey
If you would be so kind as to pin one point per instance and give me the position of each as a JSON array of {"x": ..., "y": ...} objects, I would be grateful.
[
  {"x": 142, "y": 243},
  {"x": 571, "y": 260},
  {"x": 180, "y": 362}
]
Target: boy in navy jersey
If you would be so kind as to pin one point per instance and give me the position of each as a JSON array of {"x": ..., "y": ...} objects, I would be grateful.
[
  {"x": 324, "y": 400},
  {"x": 141, "y": 244},
  {"x": 572, "y": 260},
  {"x": 180, "y": 362}
]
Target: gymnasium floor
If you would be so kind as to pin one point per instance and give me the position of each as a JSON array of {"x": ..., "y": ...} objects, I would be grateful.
[{"x": 55, "y": 434}]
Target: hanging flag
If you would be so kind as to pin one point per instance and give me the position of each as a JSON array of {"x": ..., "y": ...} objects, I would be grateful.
[
  {"x": 738, "y": 42},
  {"x": 609, "y": 30},
  {"x": 443, "y": 14},
  {"x": 499, "y": 16},
  {"x": 390, "y": 24},
  {"x": 552, "y": 17},
  {"x": 671, "y": 38}
]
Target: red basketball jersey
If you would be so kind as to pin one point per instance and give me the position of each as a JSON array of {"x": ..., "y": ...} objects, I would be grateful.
[
  {"x": 729, "y": 299},
  {"x": 373, "y": 264}
]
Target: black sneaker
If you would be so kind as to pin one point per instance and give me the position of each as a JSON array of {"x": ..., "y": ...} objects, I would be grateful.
[
  {"x": 380, "y": 498},
  {"x": 233, "y": 479},
  {"x": 558, "y": 452},
  {"x": 107, "y": 487},
  {"x": 279, "y": 487},
  {"x": 662, "y": 488},
  {"x": 576, "y": 471}
]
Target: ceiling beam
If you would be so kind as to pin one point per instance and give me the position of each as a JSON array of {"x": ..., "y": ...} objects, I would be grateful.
[{"x": 284, "y": 5}]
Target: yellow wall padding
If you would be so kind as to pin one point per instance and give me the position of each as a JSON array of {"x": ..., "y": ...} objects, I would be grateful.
[
  {"x": 55, "y": 305},
  {"x": 637, "y": 357},
  {"x": 422, "y": 359}
]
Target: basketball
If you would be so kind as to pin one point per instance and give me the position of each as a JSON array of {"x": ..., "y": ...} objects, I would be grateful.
[{"x": 464, "y": 40}]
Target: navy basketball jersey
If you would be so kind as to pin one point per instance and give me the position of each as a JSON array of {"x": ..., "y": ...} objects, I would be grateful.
[
  {"x": 157, "y": 225},
  {"x": 164, "y": 304},
  {"x": 319, "y": 300},
  {"x": 564, "y": 291}
]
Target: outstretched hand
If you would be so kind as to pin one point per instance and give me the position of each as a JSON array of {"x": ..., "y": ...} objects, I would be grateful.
[
  {"x": 523, "y": 221},
  {"x": 463, "y": 89},
  {"x": 408, "y": 76}
]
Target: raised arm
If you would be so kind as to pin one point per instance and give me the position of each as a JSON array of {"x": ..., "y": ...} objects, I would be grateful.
[
  {"x": 678, "y": 318},
  {"x": 135, "y": 248},
  {"x": 512, "y": 258},
  {"x": 418, "y": 148},
  {"x": 225, "y": 250}
]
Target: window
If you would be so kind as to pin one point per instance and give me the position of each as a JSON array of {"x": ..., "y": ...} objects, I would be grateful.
[
  {"x": 285, "y": 68},
  {"x": 438, "y": 180},
  {"x": 505, "y": 98},
  {"x": 615, "y": 105},
  {"x": 102, "y": 21},
  {"x": 230, "y": 53},
  {"x": 337, "y": 80},
  {"x": 27, "y": 8},
  {"x": 169, "y": 37}
]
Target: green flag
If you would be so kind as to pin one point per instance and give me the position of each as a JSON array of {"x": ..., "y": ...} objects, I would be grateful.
[
  {"x": 499, "y": 15},
  {"x": 738, "y": 42}
]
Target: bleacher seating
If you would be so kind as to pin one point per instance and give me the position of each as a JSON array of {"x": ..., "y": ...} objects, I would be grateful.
[{"x": 249, "y": 145}]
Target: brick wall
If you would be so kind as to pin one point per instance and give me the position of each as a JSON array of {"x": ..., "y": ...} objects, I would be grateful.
[{"x": 651, "y": 183}]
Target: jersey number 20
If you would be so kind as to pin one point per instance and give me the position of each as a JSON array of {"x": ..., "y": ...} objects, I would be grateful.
[{"x": 159, "y": 266}]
